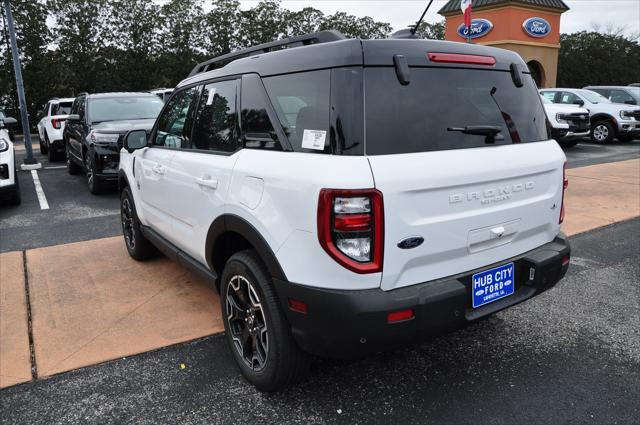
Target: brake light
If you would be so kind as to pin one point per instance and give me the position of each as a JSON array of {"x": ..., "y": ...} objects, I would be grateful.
[
  {"x": 351, "y": 228},
  {"x": 565, "y": 185},
  {"x": 461, "y": 58},
  {"x": 57, "y": 122}
]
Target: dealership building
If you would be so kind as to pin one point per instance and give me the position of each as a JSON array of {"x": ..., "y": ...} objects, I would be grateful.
[{"x": 529, "y": 27}]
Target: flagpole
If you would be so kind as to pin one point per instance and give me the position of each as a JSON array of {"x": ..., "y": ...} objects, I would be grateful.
[{"x": 470, "y": 23}]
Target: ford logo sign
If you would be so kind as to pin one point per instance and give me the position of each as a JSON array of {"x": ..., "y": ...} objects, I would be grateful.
[
  {"x": 479, "y": 28},
  {"x": 410, "y": 242},
  {"x": 536, "y": 27}
]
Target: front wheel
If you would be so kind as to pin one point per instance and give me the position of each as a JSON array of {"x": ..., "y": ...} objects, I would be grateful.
[
  {"x": 95, "y": 184},
  {"x": 602, "y": 132},
  {"x": 256, "y": 329},
  {"x": 43, "y": 146},
  {"x": 137, "y": 245}
]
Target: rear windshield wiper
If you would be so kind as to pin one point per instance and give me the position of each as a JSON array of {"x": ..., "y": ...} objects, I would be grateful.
[{"x": 491, "y": 132}]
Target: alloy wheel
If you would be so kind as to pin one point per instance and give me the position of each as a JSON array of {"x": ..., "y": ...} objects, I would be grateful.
[
  {"x": 127, "y": 223},
  {"x": 87, "y": 164},
  {"x": 600, "y": 132},
  {"x": 247, "y": 322}
]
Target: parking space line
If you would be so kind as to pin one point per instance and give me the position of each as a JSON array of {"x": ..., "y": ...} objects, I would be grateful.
[
  {"x": 42, "y": 199},
  {"x": 55, "y": 167}
]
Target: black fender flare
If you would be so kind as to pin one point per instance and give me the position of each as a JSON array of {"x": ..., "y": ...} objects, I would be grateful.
[
  {"x": 123, "y": 180},
  {"x": 233, "y": 223},
  {"x": 603, "y": 117}
]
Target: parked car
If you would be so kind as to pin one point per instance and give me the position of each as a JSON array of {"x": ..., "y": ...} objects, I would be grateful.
[
  {"x": 618, "y": 94},
  {"x": 94, "y": 130},
  {"x": 569, "y": 123},
  {"x": 163, "y": 94},
  {"x": 9, "y": 130},
  {"x": 608, "y": 120},
  {"x": 51, "y": 121},
  {"x": 338, "y": 233},
  {"x": 9, "y": 183}
]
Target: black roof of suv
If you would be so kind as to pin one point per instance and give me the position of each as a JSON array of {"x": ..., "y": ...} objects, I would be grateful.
[{"x": 342, "y": 52}]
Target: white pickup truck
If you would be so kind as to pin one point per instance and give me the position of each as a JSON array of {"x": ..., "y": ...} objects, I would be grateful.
[{"x": 569, "y": 123}]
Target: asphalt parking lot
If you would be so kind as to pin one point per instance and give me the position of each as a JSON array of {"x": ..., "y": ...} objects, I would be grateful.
[{"x": 571, "y": 355}]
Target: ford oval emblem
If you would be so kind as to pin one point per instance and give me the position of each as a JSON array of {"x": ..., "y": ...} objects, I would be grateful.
[
  {"x": 410, "y": 242},
  {"x": 479, "y": 28},
  {"x": 537, "y": 27}
]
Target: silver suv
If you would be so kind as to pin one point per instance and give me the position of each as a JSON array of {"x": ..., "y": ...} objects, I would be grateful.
[
  {"x": 618, "y": 94},
  {"x": 608, "y": 120}
]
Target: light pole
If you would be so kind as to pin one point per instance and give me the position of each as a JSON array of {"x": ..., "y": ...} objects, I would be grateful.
[{"x": 29, "y": 162}]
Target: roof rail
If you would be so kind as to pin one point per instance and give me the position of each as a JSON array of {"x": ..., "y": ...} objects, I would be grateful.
[{"x": 301, "y": 40}]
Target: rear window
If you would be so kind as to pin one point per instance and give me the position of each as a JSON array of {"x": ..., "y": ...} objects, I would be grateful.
[
  {"x": 302, "y": 104},
  {"x": 418, "y": 117},
  {"x": 63, "y": 108},
  {"x": 124, "y": 108}
]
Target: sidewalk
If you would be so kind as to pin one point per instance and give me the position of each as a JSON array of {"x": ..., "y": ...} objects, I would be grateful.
[{"x": 91, "y": 303}]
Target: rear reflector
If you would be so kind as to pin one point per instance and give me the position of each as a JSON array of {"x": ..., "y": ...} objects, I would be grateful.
[
  {"x": 565, "y": 260},
  {"x": 464, "y": 59},
  {"x": 400, "y": 316},
  {"x": 297, "y": 306},
  {"x": 353, "y": 222}
]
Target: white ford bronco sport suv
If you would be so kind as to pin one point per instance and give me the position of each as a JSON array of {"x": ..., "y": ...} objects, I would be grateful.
[{"x": 348, "y": 196}]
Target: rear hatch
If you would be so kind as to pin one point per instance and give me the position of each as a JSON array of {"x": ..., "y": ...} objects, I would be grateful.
[{"x": 475, "y": 199}]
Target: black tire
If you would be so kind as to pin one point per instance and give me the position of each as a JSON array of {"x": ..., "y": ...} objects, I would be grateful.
[
  {"x": 43, "y": 146},
  {"x": 279, "y": 364},
  {"x": 72, "y": 167},
  {"x": 602, "y": 132},
  {"x": 53, "y": 155},
  {"x": 94, "y": 183},
  {"x": 16, "y": 196},
  {"x": 137, "y": 245}
]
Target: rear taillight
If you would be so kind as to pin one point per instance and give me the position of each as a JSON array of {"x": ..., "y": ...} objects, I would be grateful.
[
  {"x": 351, "y": 228},
  {"x": 565, "y": 185},
  {"x": 57, "y": 123}
]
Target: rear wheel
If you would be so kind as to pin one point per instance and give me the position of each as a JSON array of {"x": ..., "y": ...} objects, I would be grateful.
[
  {"x": 137, "y": 245},
  {"x": 602, "y": 132},
  {"x": 256, "y": 329},
  {"x": 53, "y": 155},
  {"x": 43, "y": 146},
  {"x": 72, "y": 167}
]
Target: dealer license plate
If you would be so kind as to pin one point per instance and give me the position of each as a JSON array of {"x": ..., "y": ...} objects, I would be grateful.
[{"x": 491, "y": 285}]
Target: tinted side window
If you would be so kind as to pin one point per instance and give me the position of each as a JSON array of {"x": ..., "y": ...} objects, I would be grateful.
[
  {"x": 551, "y": 95},
  {"x": 82, "y": 104},
  {"x": 302, "y": 104},
  {"x": 568, "y": 98},
  {"x": 257, "y": 128},
  {"x": 171, "y": 123},
  {"x": 621, "y": 96},
  {"x": 216, "y": 118}
]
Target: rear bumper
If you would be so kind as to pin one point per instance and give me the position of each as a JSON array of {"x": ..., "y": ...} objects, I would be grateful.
[{"x": 345, "y": 324}]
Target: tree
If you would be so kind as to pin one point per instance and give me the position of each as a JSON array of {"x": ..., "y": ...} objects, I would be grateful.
[
  {"x": 263, "y": 23},
  {"x": 305, "y": 21},
  {"x": 431, "y": 31},
  {"x": 593, "y": 58},
  {"x": 355, "y": 27},
  {"x": 222, "y": 24}
]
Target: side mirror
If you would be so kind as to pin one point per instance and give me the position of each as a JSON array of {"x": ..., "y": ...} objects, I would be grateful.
[
  {"x": 73, "y": 117},
  {"x": 135, "y": 139},
  {"x": 578, "y": 102},
  {"x": 8, "y": 122},
  {"x": 630, "y": 102}
]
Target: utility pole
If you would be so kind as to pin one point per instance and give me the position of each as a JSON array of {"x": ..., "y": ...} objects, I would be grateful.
[{"x": 29, "y": 162}]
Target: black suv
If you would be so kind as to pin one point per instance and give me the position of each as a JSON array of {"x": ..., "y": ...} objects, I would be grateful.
[{"x": 94, "y": 130}]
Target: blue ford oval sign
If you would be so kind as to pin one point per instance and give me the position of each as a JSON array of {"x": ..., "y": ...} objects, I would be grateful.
[
  {"x": 479, "y": 28},
  {"x": 536, "y": 27}
]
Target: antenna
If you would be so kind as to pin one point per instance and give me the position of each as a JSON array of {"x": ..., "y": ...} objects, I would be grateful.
[{"x": 415, "y": 28}]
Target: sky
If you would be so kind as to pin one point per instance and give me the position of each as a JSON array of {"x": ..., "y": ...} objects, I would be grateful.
[{"x": 583, "y": 15}]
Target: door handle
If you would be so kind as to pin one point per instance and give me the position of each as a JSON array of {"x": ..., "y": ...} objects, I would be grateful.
[
  {"x": 158, "y": 169},
  {"x": 207, "y": 182}
]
